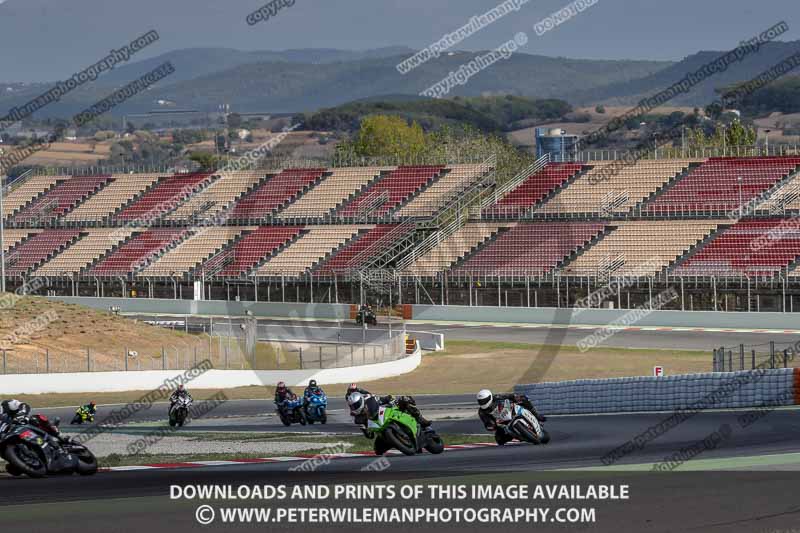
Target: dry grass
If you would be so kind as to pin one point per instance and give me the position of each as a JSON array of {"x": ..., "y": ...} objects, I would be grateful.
[{"x": 78, "y": 329}]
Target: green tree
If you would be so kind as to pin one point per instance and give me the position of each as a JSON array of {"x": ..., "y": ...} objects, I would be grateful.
[
  {"x": 206, "y": 160},
  {"x": 383, "y": 135}
]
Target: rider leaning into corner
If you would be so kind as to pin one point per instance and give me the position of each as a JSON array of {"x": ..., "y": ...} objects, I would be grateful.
[
  {"x": 488, "y": 402},
  {"x": 179, "y": 393},
  {"x": 15, "y": 410},
  {"x": 364, "y": 406}
]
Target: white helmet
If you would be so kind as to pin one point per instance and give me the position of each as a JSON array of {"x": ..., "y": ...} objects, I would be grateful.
[
  {"x": 485, "y": 399},
  {"x": 357, "y": 403},
  {"x": 13, "y": 405}
]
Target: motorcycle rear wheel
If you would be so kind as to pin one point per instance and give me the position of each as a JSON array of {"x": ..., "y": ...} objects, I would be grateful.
[{"x": 32, "y": 468}]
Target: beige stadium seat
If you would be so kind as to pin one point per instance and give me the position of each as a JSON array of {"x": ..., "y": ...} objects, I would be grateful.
[
  {"x": 602, "y": 191},
  {"x": 222, "y": 193},
  {"x": 26, "y": 191},
  {"x": 334, "y": 190},
  {"x": 434, "y": 198},
  {"x": 191, "y": 252},
  {"x": 310, "y": 249},
  {"x": 454, "y": 247},
  {"x": 90, "y": 247},
  {"x": 641, "y": 247},
  {"x": 116, "y": 194}
]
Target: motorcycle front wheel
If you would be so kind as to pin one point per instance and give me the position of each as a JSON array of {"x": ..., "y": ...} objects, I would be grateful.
[
  {"x": 435, "y": 445},
  {"x": 400, "y": 440},
  {"x": 526, "y": 434},
  {"x": 87, "y": 463},
  {"x": 25, "y": 459}
]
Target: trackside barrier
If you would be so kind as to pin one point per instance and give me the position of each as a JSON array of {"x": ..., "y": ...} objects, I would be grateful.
[{"x": 713, "y": 390}]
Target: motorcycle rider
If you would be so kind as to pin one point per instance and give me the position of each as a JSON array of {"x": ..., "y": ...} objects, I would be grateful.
[
  {"x": 15, "y": 410},
  {"x": 487, "y": 402},
  {"x": 312, "y": 389},
  {"x": 91, "y": 408},
  {"x": 282, "y": 393},
  {"x": 180, "y": 393},
  {"x": 407, "y": 404}
]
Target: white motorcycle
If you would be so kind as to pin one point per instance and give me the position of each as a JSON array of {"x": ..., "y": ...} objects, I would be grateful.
[{"x": 520, "y": 424}]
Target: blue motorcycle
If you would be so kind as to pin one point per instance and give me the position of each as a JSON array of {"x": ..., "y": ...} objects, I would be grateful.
[
  {"x": 316, "y": 410},
  {"x": 291, "y": 411}
]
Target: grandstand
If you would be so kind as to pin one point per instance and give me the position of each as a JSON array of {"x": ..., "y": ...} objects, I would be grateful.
[{"x": 550, "y": 235}]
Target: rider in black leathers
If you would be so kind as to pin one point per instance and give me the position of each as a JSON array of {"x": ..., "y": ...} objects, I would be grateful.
[
  {"x": 15, "y": 410},
  {"x": 407, "y": 404}
]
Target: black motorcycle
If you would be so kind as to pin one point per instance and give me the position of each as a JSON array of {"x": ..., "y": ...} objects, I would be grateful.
[
  {"x": 179, "y": 411},
  {"x": 291, "y": 411},
  {"x": 35, "y": 448}
]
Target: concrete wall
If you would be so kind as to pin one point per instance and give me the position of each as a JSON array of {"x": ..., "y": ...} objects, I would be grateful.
[
  {"x": 90, "y": 382},
  {"x": 592, "y": 317},
  {"x": 717, "y": 390},
  {"x": 451, "y": 313}
]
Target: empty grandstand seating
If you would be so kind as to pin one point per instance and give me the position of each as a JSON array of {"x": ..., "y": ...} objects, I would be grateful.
[
  {"x": 123, "y": 189},
  {"x": 137, "y": 252},
  {"x": 714, "y": 186},
  {"x": 605, "y": 191},
  {"x": 275, "y": 193},
  {"x": 22, "y": 193},
  {"x": 451, "y": 249},
  {"x": 249, "y": 251},
  {"x": 342, "y": 184},
  {"x": 455, "y": 179},
  {"x": 59, "y": 200},
  {"x": 640, "y": 248},
  {"x": 215, "y": 198},
  {"x": 529, "y": 249},
  {"x": 37, "y": 248},
  {"x": 390, "y": 191},
  {"x": 351, "y": 255},
  {"x": 165, "y": 196},
  {"x": 748, "y": 248},
  {"x": 11, "y": 237},
  {"x": 311, "y": 248},
  {"x": 92, "y": 245},
  {"x": 533, "y": 190},
  {"x": 198, "y": 247}
]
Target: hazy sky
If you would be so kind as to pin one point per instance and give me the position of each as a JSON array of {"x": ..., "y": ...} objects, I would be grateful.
[{"x": 50, "y": 38}]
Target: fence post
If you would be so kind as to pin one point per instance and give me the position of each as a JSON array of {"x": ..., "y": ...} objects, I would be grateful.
[
  {"x": 741, "y": 357},
  {"x": 88, "y": 360},
  {"x": 126, "y": 358},
  {"x": 5, "y": 363},
  {"x": 730, "y": 360},
  {"x": 301, "y": 358},
  {"x": 713, "y": 359},
  {"x": 753, "y": 354},
  {"x": 47, "y": 360},
  {"x": 785, "y": 358},
  {"x": 163, "y": 358},
  {"x": 352, "y": 356},
  {"x": 320, "y": 356},
  {"x": 722, "y": 359},
  {"x": 772, "y": 354}
]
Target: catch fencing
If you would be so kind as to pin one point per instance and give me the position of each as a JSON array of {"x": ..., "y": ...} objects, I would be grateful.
[{"x": 751, "y": 356}]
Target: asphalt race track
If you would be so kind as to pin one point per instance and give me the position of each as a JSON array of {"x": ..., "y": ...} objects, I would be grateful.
[{"x": 707, "y": 501}]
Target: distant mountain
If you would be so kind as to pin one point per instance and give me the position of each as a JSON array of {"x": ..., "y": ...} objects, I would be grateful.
[
  {"x": 277, "y": 85},
  {"x": 630, "y": 92}
]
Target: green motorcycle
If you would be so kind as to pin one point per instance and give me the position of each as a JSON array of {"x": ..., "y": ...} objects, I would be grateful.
[{"x": 392, "y": 428}]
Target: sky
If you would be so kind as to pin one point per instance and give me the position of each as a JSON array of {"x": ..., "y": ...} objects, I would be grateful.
[{"x": 48, "y": 39}]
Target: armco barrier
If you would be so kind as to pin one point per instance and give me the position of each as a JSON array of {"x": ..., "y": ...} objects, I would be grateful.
[
  {"x": 90, "y": 382},
  {"x": 715, "y": 390}
]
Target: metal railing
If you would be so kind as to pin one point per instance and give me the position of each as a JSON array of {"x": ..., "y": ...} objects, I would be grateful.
[{"x": 757, "y": 356}]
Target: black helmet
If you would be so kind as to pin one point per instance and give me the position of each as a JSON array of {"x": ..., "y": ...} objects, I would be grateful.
[{"x": 312, "y": 383}]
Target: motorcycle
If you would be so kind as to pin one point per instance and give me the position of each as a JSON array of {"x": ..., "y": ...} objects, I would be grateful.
[
  {"x": 291, "y": 411},
  {"x": 179, "y": 411},
  {"x": 520, "y": 424},
  {"x": 316, "y": 410},
  {"x": 393, "y": 428},
  {"x": 35, "y": 449},
  {"x": 366, "y": 316},
  {"x": 82, "y": 415}
]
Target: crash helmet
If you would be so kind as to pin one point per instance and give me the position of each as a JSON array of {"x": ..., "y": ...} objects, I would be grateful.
[
  {"x": 485, "y": 400},
  {"x": 357, "y": 403},
  {"x": 312, "y": 383}
]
